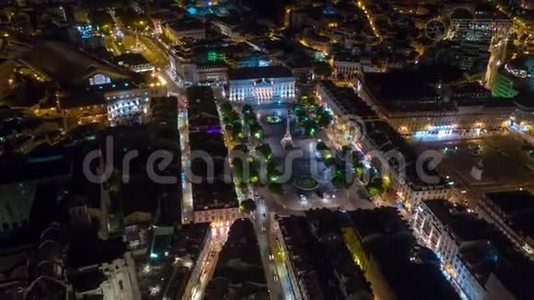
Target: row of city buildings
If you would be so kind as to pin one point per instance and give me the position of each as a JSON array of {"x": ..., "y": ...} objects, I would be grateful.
[
  {"x": 362, "y": 254},
  {"x": 357, "y": 123},
  {"x": 483, "y": 260}
]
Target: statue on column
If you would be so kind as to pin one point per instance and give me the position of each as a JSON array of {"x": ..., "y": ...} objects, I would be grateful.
[
  {"x": 287, "y": 140},
  {"x": 477, "y": 170}
]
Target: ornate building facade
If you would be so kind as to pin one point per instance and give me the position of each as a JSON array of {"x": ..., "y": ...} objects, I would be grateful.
[{"x": 261, "y": 85}]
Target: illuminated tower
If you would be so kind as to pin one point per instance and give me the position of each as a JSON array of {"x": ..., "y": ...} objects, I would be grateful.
[{"x": 287, "y": 140}]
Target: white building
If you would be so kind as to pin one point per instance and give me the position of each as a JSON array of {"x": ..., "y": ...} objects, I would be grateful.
[
  {"x": 212, "y": 72},
  {"x": 119, "y": 280},
  {"x": 191, "y": 28},
  {"x": 463, "y": 243},
  {"x": 135, "y": 62},
  {"x": 347, "y": 68},
  {"x": 383, "y": 146},
  {"x": 261, "y": 85},
  {"x": 131, "y": 105}
]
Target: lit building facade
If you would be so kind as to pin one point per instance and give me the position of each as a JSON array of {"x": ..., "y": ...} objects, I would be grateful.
[
  {"x": 126, "y": 106},
  {"x": 220, "y": 218},
  {"x": 395, "y": 161},
  {"x": 462, "y": 243},
  {"x": 86, "y": 36},
  {"x": 503, "y": 209},
  {"x": 175, "y": 31},
  {"x": 261, "y": 85},
  {"x": 212, "y": 72},
  {"x": 120, "y": 280},
  {"x": 441, "y": 115}
]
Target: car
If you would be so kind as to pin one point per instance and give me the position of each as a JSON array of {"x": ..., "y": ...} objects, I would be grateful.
[
  {"x": 302, "y": 198},
  {"x": 275, "y": 278},
  {"x": 263, "y": 228}
]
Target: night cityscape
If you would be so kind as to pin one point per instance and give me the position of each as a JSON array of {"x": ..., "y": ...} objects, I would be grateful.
[{"x": 266, "y": 149}]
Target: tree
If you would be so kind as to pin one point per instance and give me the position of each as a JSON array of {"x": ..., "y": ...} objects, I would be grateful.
[
  {"x": 356, "y": 160},
  {"x": 275, "y": 176},
  {"x": 323, "y": 116},
  {"x": 302, "y": 118},
  {"x": 321, "y": 146},
  {"x": 254, "y": 176},
  {"x": 250, "y": 120},
  {"x": 265, "y": 151},
  {"x": 298, "y": 108},
  {"x": 310, "y": 128},
  {"x": 376, "y": 186},
  {"x": 257, "y": 132},
  {"x": 240, "y": 147},
  {"x": 226, "y": 108},
  {"x": 340, "y": 177},
  {"x": 235, "y": 131},
  {"x": 322, "y": 69},
  {"x": 247, "y": 206},
  {"x": 101, "y": 19},
  {"x": 307, "y": 100},
  {"x": 247, "y": 110}
]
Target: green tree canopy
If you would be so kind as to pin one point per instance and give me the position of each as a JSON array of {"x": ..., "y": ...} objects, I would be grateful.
[
  {"x": 322, "y": 69},
  {"x": 265, "y": 151},
  {"x": 310, "y": 128},
  {"x": 248, "y": 206},
  {"x": 247, "y": 110},
  {"x": 323, "y": 116},
  {"x": 321, "y": 146}
]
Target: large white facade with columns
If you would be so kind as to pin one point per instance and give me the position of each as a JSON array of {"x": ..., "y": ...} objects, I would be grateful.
[{"x": 261, "y": 85}]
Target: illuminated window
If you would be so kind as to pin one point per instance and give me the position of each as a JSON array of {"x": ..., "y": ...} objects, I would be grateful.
[
  {"x": 99, "y": 79},
  {"x": 86, "y": 31}
]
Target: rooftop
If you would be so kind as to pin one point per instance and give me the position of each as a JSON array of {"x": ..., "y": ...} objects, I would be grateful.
[
  {"x": 202, "y": 111},
  {"x": 215, "y": 195},
  {"x": 43, "y": 162},
  {"x": 517, "y": 208},
  {"x": 259, "y": 72},
  {"x": 411, "y": 89},
  {"x": 70, "y": 66},
  {"x": 464, "y": 225},
  {"x": 346, "y": 99},
  {"x": 186, "y": 24},
  {"x": 387, "y": 140},
  {"x": 213, "y": 190},
  {"x": 239, "y": 271},
  {"x": 390, "y": 234}
]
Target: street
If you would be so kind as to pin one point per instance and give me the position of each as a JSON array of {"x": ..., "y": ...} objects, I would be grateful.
[{"x": 269, "y": 204}]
